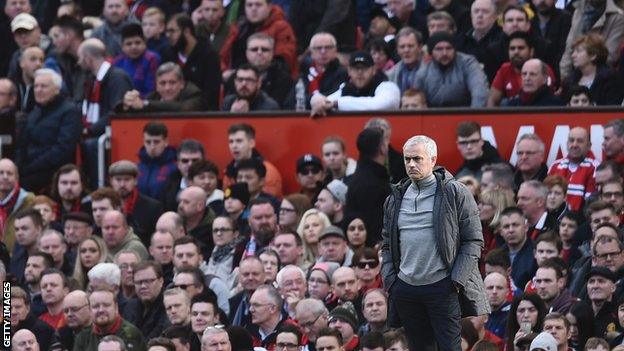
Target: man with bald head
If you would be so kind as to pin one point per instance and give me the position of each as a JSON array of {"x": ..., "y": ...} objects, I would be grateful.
[
  {"x": 48, "y": 139},
  {"x": 346, "y": 287},
  {"x": 13, "y": 199},
  {"x": 118, "y": 235},
  {"x": 30, "y": 60},
  {"x": 171, "y": 222},
  {"x": 578, "y": 168},
  {"x": 76, "y": 309},
  {"x": 106, "y": 89},
  {"x": 24, "y": 340},
  {"x": 197, "y": 216},
  {"x": 497, "y": 290},
  {"x": 535, "y": 90}
]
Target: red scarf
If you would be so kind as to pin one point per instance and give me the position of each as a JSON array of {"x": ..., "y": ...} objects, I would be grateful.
[
  {"x": 314, "y": 77},
  {"x": 7, "y": 207},
  {"x": 130, "y": 202},
  {"x": 113, "y": 329},
  {"x": 74, "y": 208},
  {"x": 93, "y": 91}
]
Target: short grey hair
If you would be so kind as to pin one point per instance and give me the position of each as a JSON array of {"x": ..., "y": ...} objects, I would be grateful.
[
  {"x": 430, "y": 145},
  {"x": 52, "y": 232},
  {"x": 380, "y": 123},
  {"x": 317, "y": 307},
  {"x": 617, "y": 125},
  {"x": 109, "y": 272},
  {"x": 534, "y": 137},
  {"x": 290, "y": 267},
  {"x": 261, "y": 36},
  {"x": 114, "y": 338},
  {"x": 168, "y": 67},
  {"x": 57, "y": 80},
  {"x": 273, "y": 295},
  {"x": 330, "y": 36},
  {"x": 539, "y": 187},
  {"x": 407, "y": 31}
]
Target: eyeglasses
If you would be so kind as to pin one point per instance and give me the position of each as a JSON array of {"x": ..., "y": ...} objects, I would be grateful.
[
  {"x": 221, "y": 230},
  {"x": 259, "y": 49},
  {"x": 309, "y": 325},
  {"x": 145, "y": 281},
  {"x": 284, "y": 209},
  {"x": 614, "y": 194},
  {"x": 364, "y": 264},
  {"x": 286, "y": 345},
  {"x": 323, "y": 48},
  {"x": 608, "y": 255},
  {"x": 74, "y": 309},
  {"x": 468, "y": 142},
  {"x": 308, "y": 171},
  {"x": 187, "y": 160}
]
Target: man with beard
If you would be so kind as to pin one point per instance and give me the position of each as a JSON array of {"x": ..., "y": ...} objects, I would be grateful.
[
  {"x": 198, "y": 59},
  {"x": 366, "y": 89},
  {"x": 13, "y": 199},
  {"x": 115, "y": 13},
  {"x": 107, "y": 321},
  {"x": 263, "y": 225},
  {"x": 30, "y": 61},
  {"x": 508, "y": 80},
  {"x": 535, "y": 90},
  {"x": 77, "y": 226},
  {"x": 69, "y": 191},
  {"x": 197, "y": 217},
  {"x": 141, "y": 211},
  {"x": 210, "y": 22},
  {"x": 248, "y": 96},
  {"x": 451, "y": 78},
  {"x": 577, "y": 168},
  {"x": 147, "y": 310},
  {"x": 35, "y": 265}
]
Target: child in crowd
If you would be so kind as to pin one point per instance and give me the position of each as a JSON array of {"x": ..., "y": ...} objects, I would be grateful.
[
  {"x": 153, "y": 24},
  {"x": 136, "y": 60},
  {"x": 205, "y": 174}
]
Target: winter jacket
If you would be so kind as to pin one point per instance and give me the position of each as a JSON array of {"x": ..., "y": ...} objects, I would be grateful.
[
  {"x": 169, "y": 195},
  {"x": 458, "y": 236},
  {"x": 144, "y": 217},
  {"x": 272, "y": 180},
  {"x": 368, "y": 188},
  {"x": 150, "y": 318},
  {"x": 115, "y": 84},
  {"x": 610, "y": 25},
  {"x": 333, "y": 76},
  {"x": 481, "y": 49},
  {"x": 203, "y": 232},
  {"x": 463, "y": 83},
  {"x": 276, "y": 82},
  {"x": 563, "y": 302},
  {"x": 543, "y": 96},
  {"x": 24, "y": 201},
  {"x": 130, "y": 242},
  {"x": 202, "y": 69},
  {"x": 86, "y": 340},
  {"x": 395, "y": 75},
  {"x": 110, "y": 35},
  {"x": 523, "y": 264},
  {"x": 276, "y": 26},
  {"x": 379, "y": 95},
  {"x": 154, "y": 172},
  {"x": 141, "y": 70},
  {"x": 337, "y": 17},
  {"x": 262, "y": 102},
  {"x": 47, "y": 141},
  {"x": 555, "y": 32},
  {"x": 473, "y": 167},
  {"x": 43, "y": 332},
  {"x": 606, "y": 89}
]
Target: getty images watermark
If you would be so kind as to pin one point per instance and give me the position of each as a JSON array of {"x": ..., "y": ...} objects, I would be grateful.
[{"x": 6, "y": 314}]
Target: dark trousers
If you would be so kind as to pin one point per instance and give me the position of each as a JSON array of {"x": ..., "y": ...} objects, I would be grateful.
[{"x": 430, "y": 314}]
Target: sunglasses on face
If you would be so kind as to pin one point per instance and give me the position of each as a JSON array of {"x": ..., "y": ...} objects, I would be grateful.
[
  {"x": 308, "y": 171},
  {"x": 369, "y": 264}
]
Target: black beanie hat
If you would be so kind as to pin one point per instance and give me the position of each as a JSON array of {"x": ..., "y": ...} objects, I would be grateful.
[
  {"x": 238, "y": 191},
  {"x": 437, "y": 37}
]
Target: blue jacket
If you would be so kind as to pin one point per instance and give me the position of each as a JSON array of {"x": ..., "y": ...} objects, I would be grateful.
[
  {"x": 49, "y": 138},
  {"x": 154, "y": 172},
  {"x": 142, "y": 70},
  {"x": 497, "y": 321},
  {"x": 522, "y": 267}
]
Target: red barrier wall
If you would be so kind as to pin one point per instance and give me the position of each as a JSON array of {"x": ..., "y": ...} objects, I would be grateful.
[{"x": 283, "y": 137}]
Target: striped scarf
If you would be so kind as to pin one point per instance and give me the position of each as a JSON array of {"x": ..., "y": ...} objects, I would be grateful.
[{"x": 91, "y": 103}]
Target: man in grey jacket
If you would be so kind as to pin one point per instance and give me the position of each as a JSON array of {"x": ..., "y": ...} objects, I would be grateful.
[
  {"x": 432, "y": 243},
  {"x": 451, "y": 78}
]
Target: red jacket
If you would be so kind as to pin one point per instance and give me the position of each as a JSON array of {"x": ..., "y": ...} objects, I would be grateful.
[
  {"x": 581, "y": 182},
  {"x": 277, "y": 27}
]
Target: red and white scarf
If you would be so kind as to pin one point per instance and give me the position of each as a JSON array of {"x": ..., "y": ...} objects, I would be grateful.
[
  {"x": 7, "y": 205},
  {"x": 91, "y": 103}
]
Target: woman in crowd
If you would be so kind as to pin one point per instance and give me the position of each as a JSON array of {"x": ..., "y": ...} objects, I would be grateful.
[
  {"x": 227, "y": 252},
  {"x": 589, "y": 58},
  {"x": 581, "y": 318},
  {"x": 312, "y": 224},
  {"x": 491, "y": 204},
  {"x": 91, "y": 251},
  {"x": 271, "y": 262},
  {"x": 319, "y": 283},
  {"x": 291, "y": 210},
  {"x": 526, "y": 315},
  {"x": 356, "y": 231},
  {"x": 367, "y": 268}
]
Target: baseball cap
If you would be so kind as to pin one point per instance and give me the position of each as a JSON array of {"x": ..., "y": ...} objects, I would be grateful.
[
  {"x": 361, "y": 58},
  {"x": 338, "y": 189},
  {"x": 332, "y": 230},
  {"x": 308, "y": 160},
  {"x": 24, "y": 21},
  {"x": 544, "y": 341}
]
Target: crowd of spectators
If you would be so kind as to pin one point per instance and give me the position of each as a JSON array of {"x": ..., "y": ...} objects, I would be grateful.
[{"x": 176, "y": 254}]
